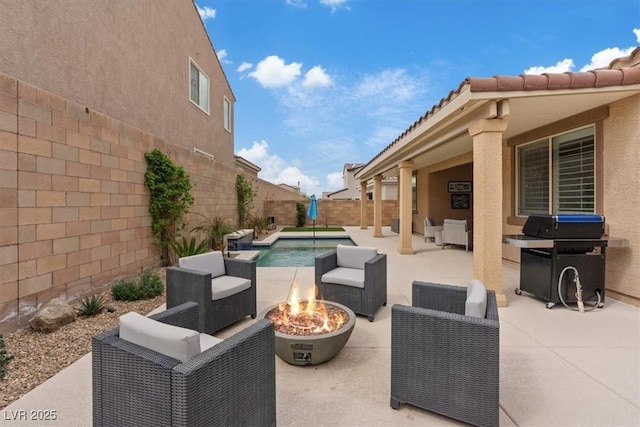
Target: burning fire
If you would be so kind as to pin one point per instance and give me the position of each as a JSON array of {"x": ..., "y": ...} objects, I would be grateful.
[{"x": 306, "y": 317}]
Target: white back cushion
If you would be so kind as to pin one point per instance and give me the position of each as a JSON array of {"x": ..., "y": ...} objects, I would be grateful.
[
  {"x": 476, "y": 303},
  {"x": 210, "y": 262},
  {"x": 354, "y": 256},
  {"x": 456, "y": 221},
  {"x": 172, "y": 341}
]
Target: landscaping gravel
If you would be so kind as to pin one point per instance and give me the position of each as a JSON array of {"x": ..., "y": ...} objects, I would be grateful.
[{"x": 38, "y": 356}]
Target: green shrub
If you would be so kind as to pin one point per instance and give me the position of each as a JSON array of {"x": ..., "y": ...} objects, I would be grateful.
[
  {"x": 215, "y": 228},
  {"x": 90, "y": 306},
  {"x": 301, "y": 216},
  {"x": 184, "y": 248},
  {"x": 4, "y": 357},
  {"x": 148, "y": 285}
]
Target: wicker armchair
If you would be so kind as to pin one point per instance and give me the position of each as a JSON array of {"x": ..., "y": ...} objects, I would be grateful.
[
  {"x": 369, "y": 271},
  {"x": 443, "y": 360},
  {"x": 187, "y": 283},
  {"x": 231, "y": 383}
]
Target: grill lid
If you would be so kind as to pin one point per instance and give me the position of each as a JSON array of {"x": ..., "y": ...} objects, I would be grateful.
[{"x": 575, "y": 226}]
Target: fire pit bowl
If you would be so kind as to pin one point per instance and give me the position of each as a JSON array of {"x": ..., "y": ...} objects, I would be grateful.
[{"x": 301, "y": 346}]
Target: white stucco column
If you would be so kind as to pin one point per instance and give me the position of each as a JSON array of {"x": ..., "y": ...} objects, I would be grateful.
[
  {"x": 377, "y": 206},
  {"x": 363, "y": 205},
  {"x": 487, "y": 204},
  {"x": 406, "y": 213}
]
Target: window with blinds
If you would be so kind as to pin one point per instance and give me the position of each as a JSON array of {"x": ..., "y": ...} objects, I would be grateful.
[{"x": 557, "y": 175}]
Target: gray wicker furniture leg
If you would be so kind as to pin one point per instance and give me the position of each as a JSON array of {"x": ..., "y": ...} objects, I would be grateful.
[
  {"x": 185, "y": 285},
  {"x": 365, "y": 301},
  {"x": 444, "y": 361},
  {"x": 230, "y": 384}
]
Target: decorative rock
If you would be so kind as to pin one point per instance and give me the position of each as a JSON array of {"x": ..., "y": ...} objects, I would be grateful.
[
  {"x": 111, "y": 309},
  {"x": 53, "y": 315}
]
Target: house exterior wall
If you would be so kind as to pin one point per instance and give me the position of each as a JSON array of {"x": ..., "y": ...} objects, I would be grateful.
[
  {"x": 620, "y": 198},
  {"x": 77, "y": 113},
  {"x": 129, "y": 60}
]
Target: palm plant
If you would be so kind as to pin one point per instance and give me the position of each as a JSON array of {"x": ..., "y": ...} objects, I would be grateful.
[{"x": 215, "y": 228}]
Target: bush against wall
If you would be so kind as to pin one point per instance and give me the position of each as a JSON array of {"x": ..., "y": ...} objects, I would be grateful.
[
  {"x": 246, "y": 195},
  {"x": 170, "y": 198},
  {"x": 301, "y": 215}
]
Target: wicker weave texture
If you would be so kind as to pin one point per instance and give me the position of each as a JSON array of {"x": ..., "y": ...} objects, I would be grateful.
[
  {"x": 365, "y": 301},
  {"x": 444, "y": 361},
  {"x": 184, "y": 285},
  {"x": 232, "y": 383}
]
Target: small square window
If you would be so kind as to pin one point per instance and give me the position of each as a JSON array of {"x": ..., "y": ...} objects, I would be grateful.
[{"x": 198, "y": 87}]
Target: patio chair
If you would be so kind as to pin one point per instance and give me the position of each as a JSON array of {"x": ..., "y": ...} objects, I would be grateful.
[
  {"x": 355, "y": 276},
  {"x": 454, "y": 232},
  {"x": 430, "y": 229},
  {"x": 160, "y": 371},
  {"x": 445, "y": 352},
  {"x": 225, "y": 288}
]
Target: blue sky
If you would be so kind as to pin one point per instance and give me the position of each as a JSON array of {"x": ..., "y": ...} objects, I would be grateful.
[{"x": 321, "y": 83}]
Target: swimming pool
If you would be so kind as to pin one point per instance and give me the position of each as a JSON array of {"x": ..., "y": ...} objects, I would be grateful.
[{"x": 296, "y": 252}]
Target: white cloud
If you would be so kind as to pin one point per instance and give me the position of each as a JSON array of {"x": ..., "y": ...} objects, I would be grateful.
[
  {"x": 335, "y": 4},
  {"x": 335, "y": 181},
  {"x": 395, "y": 86},
  {"x": 206, "y": 12},
  {"x": 244, "y": 66},
  {"x": 599, "y": 59},
  {"x": 604, "y": 57},
  {"x": 560, "y": 67},
  {"x": 222, "y": 55},
  {"x": 272, "y": 72},
  {"x": 276, "y": 170},
  {"x": 317, "y": 77},
  {"x": 297, "y": 3}
]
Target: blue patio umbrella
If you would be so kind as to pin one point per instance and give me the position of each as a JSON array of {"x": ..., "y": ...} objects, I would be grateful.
[{"x": 312, "y": 213}]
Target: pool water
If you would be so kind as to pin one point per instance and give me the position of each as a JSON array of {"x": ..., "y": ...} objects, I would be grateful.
[{"x": 297, "y": 252}]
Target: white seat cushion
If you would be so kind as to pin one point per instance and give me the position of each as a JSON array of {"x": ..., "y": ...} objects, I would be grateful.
[
  {"x": 476, "y": 303},
  {"x": 210, "y": 262},
  {"x": 173, "y": 341},
  {"x": 208, "y": 341},
  {"x": 225, "y": 286},
  {"x": 354, "y": 256},
  {"x": 345, "y": 276}
]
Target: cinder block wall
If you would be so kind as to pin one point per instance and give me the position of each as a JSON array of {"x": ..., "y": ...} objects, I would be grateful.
[
  {"x": 330, "y": 212},
  {"x": 73, "y": 206}
]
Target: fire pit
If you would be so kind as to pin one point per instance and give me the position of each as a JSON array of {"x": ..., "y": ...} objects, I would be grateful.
[{"x": 309, "y": 332}]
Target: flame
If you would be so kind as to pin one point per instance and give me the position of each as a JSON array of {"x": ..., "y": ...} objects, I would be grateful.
[{"x": 307, "y": 315}]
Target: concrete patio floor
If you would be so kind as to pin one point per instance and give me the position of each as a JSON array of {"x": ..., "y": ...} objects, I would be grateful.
[{"x": 557, "y": 367}]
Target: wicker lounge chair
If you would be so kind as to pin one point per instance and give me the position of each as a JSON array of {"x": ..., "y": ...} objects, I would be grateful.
[
  {"x": 225, "y": 288},
  {"x": 231, "y": 383},
  {"x": 443, "y": 360},
  {"x": 354, "y": 276}
]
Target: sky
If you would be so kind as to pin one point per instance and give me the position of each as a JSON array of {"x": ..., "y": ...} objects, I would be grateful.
[{"x": 321, "y": 83}]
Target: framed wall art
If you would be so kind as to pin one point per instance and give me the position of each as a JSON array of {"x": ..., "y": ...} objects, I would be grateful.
[
  {"x": 459, "y": 186},
  {"x": 459, "y": 201}
]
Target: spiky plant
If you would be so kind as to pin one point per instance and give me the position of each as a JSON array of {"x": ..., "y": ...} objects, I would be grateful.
[{"x": 90, "y": 306}]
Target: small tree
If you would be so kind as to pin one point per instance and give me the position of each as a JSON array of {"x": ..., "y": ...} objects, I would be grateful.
[
  {"x": 246, "y": 195},
  {"x": 301, "y": 216},
  {"x": 215, "y": 228},
  {"x": 169, "y": 201}
]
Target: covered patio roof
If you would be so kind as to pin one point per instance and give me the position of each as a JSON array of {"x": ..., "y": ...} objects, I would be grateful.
[{"x": 529, "y": 102}]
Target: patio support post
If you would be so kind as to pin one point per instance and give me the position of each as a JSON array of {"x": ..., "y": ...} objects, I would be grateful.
[
  {"x": 363, "y": 205},
  {"x": 487, "y": 137},
  {"x": 406, "y": 211},
  {"x": 377, "y": 206}
]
